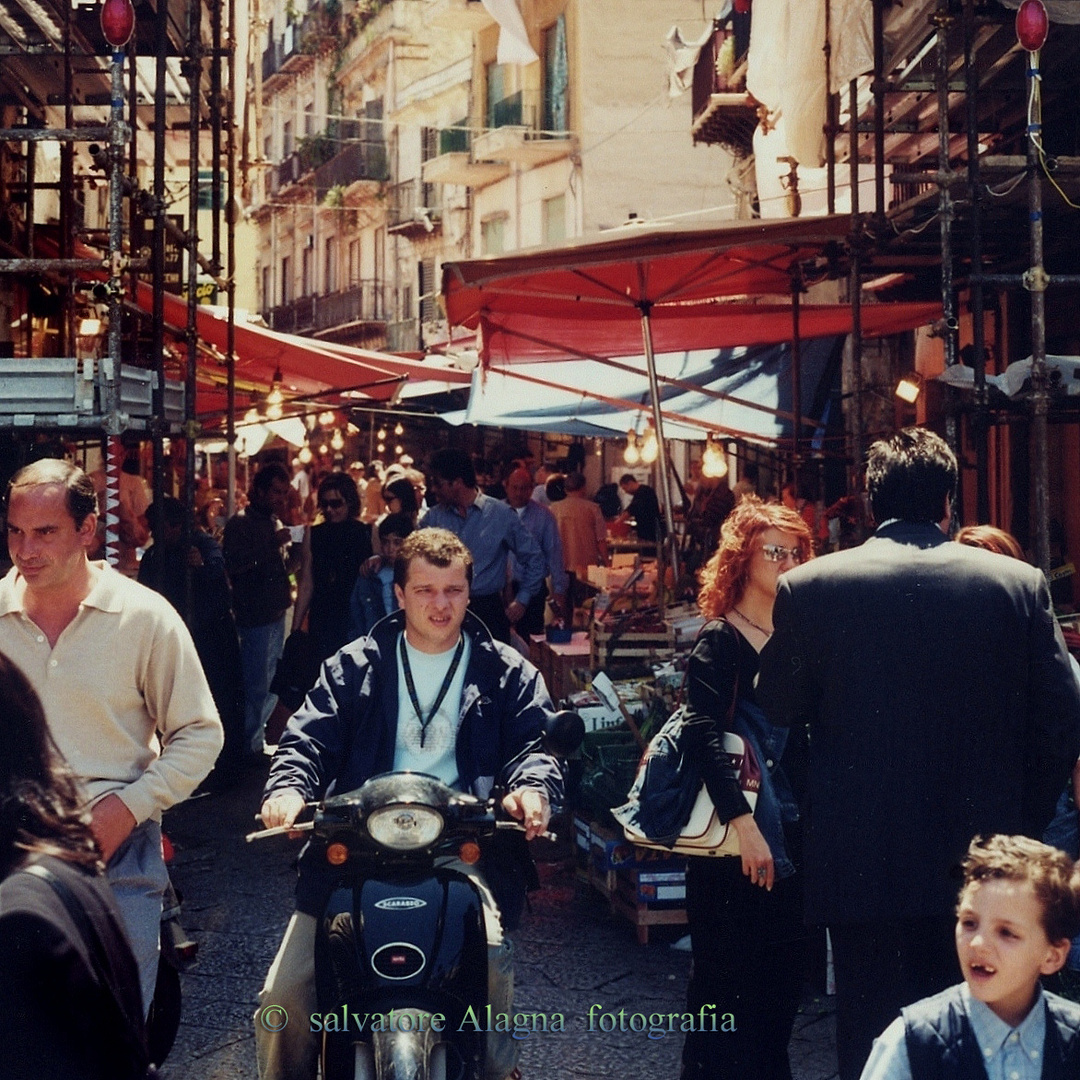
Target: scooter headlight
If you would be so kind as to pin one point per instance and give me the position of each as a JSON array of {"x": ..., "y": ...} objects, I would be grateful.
[{"x": 405, "y": 828}]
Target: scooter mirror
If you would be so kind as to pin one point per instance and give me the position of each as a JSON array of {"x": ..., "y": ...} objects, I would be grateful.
[{"x": 563, "y": 733}]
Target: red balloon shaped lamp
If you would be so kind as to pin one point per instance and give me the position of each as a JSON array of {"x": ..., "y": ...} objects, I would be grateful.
[
  {"x": 117, "y": 22},
  {"x": 1032, "y": 25}
]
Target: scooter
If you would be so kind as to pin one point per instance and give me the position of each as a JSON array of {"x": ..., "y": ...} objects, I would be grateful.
[{"x": 401, "y": 962}]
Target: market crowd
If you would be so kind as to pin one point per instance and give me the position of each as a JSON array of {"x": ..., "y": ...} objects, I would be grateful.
[{"x": 910, "y": 703}]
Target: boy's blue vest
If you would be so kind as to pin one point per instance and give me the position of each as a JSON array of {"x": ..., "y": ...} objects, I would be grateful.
[{"x": 941, "y": 1044}]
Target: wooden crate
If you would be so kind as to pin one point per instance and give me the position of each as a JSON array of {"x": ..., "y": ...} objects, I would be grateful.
[{"x": 612, "y": 646}]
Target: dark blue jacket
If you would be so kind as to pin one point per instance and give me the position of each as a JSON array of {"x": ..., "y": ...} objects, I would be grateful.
[{"x": 346, "y": 730}]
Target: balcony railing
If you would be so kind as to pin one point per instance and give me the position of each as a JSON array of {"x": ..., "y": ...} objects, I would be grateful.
[
  {"x": 364, "y": 302},
  {"x": 294, "y": 317},
  {"x": 286, "y": 172},
  {"x": 722, "y": 112},
  {"x": 403, "y": 335},
  {"x": 415, "y": 205},
  {"x": 356, "y": 161}
]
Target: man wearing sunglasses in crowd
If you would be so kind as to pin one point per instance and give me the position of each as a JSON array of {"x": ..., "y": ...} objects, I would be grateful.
[{"x": 940, "y": 703}]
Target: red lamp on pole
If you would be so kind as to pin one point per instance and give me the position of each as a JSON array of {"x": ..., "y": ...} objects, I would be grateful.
[
  {"x": 117, "y": 22},
  {"x": 1032, "y": 25}
]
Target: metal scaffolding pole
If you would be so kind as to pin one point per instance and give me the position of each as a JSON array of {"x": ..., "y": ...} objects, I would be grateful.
[{"x": 981, "y": 416}]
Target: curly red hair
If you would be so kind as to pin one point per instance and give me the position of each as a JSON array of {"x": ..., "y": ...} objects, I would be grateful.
[{"x": 724, "y": 577}]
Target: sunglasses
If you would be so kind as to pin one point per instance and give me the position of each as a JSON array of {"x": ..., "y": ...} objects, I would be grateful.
[
  {"x": 777, "y": 553},
  {"x": 331, "y": 504}
]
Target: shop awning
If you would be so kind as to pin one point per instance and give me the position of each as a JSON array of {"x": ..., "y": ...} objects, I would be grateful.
[
  {"x": 698, "y": 289},
  {"x": 740, "y": 392},
  {"x": 310, "y": 370}
]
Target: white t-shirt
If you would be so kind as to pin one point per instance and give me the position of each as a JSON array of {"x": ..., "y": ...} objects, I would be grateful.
[{"x": 437, "y": 754}]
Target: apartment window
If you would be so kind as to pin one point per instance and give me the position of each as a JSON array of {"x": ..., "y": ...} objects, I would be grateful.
[
  {"x": 429, "y": 307},
  {"x": 354, "y": 263},
  {"x": 497, "y": 78},
  {"x": 309, "y": 119},
  {"x": 554, "y": 219},
  {"x": 406, "y": 302},
  {"x": 267, "y": 298},
  {"x": 268, "y": 147},
  {"x": 556, "y": 78},
  {"x": 205, "y": 193},
  {"x": 305, "y": 271},
  {"x": 287, "y": 140},
  {"x": 330, "y": 275},
  {"x": 286, "y": 280},
  {"x": 493, "y": 236}
]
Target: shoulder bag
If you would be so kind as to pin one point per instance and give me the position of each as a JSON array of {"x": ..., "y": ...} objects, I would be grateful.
[{"x": 668, "y": 806}]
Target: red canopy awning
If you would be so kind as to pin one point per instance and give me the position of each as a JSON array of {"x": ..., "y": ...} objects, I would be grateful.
[
  {"x": 697, "y": 286},
  {"x": 309, "y": 368}
]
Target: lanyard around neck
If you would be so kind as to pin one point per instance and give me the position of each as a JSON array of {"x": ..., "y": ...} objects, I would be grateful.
[{"x": 410, "y": 683}]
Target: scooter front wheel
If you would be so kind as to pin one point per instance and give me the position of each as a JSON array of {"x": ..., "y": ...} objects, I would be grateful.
[{"x": 415, "y": 1054}]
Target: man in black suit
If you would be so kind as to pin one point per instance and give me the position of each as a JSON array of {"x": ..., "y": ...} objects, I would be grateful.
[{"x": 941, "y": 704}]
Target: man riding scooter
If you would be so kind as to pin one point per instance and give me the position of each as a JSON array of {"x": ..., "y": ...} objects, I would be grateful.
[{"x": 429, "y": 690}]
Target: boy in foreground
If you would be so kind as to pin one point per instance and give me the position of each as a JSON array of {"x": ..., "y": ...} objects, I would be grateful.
[{"x": 1018, "y": 908}]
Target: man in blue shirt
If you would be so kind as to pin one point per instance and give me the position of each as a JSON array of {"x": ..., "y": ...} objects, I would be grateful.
[
  {"x": 492, "y": 532},
  {"x": 540, "y": 521}
]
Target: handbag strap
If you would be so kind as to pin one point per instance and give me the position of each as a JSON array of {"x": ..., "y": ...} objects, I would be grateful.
[
  {"x": 98, "y": 959},
  {"x": 686, "y": 676}
]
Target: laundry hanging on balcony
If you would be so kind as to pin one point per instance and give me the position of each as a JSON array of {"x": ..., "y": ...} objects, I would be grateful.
[{"x": 514, "y": 45}]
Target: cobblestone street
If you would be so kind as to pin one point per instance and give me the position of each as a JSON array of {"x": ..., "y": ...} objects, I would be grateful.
[{"x": 571, "y": 953}]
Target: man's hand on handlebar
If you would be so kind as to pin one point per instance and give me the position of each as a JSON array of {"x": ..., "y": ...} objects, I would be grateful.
[
  {"x": 529, "y": 805},
  {"x": 281, "y": 810}
]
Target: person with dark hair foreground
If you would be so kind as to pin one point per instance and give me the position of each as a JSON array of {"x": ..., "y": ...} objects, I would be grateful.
[
  {"x": 69, "y": 994},
  {"x": 928, "y": 725},
  {"x": 745, "y": 914}
]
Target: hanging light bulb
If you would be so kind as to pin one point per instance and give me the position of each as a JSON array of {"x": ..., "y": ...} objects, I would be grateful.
[
  {"x": 337, "y": 440},
  {"x": 324, "y": 450},
  {"x": 252, "y": 416},
  {"x": 650, "y": 447},
  {"x": 631, "y": 455},
  {"x": 399, "y": 428},
  {"x": 275, "y": 399},
  {"x": 399, "y": 449},
  {"x": 381, "y": 448},
  {"x": 326, "y": 419},
  {"x": 381, "y": 434},
  {"x": 713, "y": 460},
  {"x": 305, "y": 455}
]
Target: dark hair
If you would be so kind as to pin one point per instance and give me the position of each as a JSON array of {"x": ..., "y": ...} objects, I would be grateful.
[
  {"x": 40, "y": 802},
  {"x": 1053, "y": 876},
  {"x": 169, "y": 512},
  {"x": 725, "y": 575},
  {"x": 395, "y": 525},
  {"x": 266, "y": 477},
  {"x": 402, "y": 490},
  {"x": 575, "y": 481},
  {"x": 911, "y": 476},
  {"x": 990, "y": 538},
  {"x": 346, "y": 487},
  {"x": 607, "y": 498},
  {"x": 81, "y": 496},
  {"x": 555, "y": 488},
  {"x": 450, "y": 464},
  {"x": 440, "y": 547},
  {"x": 626, "y": 477}
]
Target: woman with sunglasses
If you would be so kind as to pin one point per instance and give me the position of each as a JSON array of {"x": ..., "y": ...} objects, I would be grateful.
[
  {"x": 335, "y": 548},
  {"x": 744, "y": 913}
]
